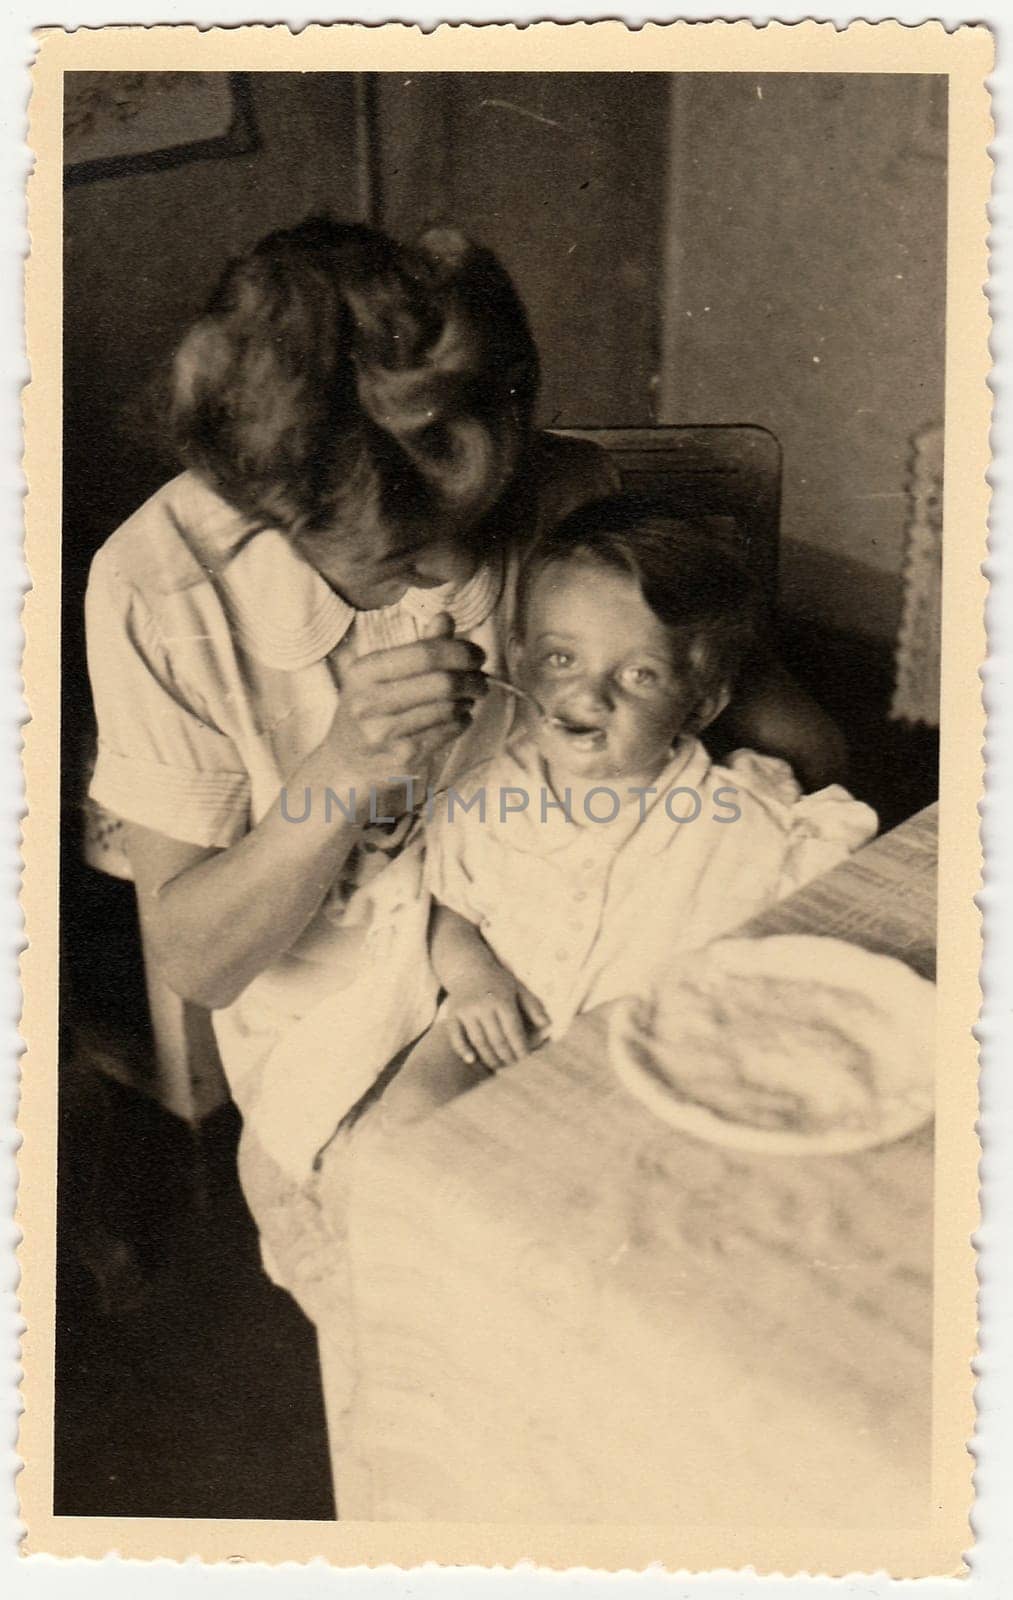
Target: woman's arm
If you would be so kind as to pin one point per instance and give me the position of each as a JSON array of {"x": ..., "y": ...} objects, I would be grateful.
[
  {"x": 772, "y": 713},
  {"x": 216, "y": 918}
]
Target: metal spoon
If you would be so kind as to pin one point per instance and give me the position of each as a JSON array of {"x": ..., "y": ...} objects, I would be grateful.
[{"x": 522, "y": 694}]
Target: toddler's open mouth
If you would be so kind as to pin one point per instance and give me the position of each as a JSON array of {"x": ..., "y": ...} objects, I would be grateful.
[{"x": 584, "y": 735}]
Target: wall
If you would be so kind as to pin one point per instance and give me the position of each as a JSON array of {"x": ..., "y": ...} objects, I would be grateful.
[
  {"x": 805, "y": 283},
  {"x": 716, "y": 248},
  {"x": 141, "y": 255},
  {"x": 562, "y": 175}
]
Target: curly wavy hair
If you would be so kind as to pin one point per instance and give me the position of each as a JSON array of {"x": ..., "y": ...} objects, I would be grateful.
[{"x": 338, "y": 375}]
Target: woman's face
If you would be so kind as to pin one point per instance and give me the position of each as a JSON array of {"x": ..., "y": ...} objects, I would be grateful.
[
  {"x": 374, "y": 565},
  {"x": 369, "y": 572}
]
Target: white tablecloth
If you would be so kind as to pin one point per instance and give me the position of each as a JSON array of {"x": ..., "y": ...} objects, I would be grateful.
[{"x": 563, "y": 1310}]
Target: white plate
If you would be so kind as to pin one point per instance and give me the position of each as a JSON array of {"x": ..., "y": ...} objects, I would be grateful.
[{"x": 880, "y": 1005}]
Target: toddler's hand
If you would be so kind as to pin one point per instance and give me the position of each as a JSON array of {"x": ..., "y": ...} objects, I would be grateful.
[{"x": 495, "y": 1024}]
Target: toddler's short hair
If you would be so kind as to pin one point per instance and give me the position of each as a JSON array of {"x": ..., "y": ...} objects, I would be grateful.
[
  {"x": 695, "y": 580},
  {"x": 336, "y": 373}
]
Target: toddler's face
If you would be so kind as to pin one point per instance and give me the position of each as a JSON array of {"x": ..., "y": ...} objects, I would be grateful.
[{"x": 598, "y": 660}]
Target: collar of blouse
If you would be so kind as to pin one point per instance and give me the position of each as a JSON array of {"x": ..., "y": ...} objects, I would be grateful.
[{"x": 288, "y": 616}]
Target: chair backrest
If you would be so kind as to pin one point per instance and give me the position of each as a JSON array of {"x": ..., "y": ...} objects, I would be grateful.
[{"x": 731, "y": 476}]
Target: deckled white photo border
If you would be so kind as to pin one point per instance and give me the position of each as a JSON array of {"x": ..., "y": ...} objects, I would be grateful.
[{"x": 307, "y": 1579}]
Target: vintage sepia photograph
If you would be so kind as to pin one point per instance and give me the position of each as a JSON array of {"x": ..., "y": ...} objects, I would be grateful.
[{"x": 502, "y": 525}]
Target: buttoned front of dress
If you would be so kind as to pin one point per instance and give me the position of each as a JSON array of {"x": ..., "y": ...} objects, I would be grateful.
[
  {"x": 583, "y": 912},
  {"x": 538, "y": 881}
]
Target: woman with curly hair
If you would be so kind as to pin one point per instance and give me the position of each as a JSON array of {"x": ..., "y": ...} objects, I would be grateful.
[
  {"x": 313, "y": 606},
  {"x": 307, "y": 606}
]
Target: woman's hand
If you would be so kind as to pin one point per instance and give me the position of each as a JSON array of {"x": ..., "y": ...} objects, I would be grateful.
[
  {"x": 398, "y": 708},
  {"x": 214, "y": 919}
]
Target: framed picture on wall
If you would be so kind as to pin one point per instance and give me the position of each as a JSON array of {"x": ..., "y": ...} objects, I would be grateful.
[{"x": 120, "y": 123}]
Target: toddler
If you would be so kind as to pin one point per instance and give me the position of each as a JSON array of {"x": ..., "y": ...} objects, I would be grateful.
[{"x": 575, "y": 866}]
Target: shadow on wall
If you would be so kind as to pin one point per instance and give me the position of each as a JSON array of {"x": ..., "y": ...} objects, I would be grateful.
[{"x": 141, "y": 255}]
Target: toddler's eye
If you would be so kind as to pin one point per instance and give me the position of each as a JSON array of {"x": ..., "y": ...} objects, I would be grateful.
[
  {"x": 559, "y": 658},
  {"x": 639, "y": 677}
]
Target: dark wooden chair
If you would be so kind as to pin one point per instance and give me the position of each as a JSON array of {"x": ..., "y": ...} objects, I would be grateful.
[{"x": 731, "y": 474}]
